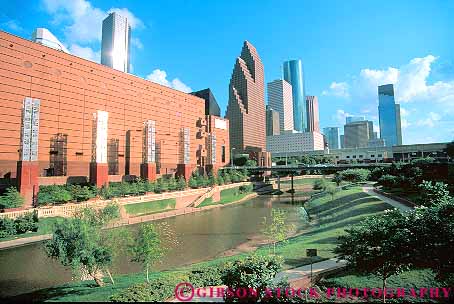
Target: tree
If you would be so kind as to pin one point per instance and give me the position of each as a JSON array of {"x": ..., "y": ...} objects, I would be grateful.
[
  {"x": 193, "y": 182},
  {"x": 76, "y": 244},
  {"x": 379, "y": 245},
  {"x": 433, "y": 193},
  {"x": 331, "y": 190},
  {"x": 147, "y": 248},
  {"x": 250, "y": 163},
  {"x": 355, "y": 175},
  {"x": 181, "y": 184},
  {"x": 320, "y": 184},
  {"x": 337, "y": 179},
  {"x": 11, "y": 199},
  {"x": 276, "y": 228}
]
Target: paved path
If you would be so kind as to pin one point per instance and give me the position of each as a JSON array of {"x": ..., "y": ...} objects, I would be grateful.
[
  {"x": 24, "y": 241},
  {"x": 370, "y": 190}
]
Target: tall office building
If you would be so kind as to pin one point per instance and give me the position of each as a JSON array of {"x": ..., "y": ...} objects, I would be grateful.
[
  {"x": 357, "y": 134},
  {"x": 332, "y": 137},
  {"x": 116, "y": 36},
  {"x": 354, "y": 118},
  {"x": 313, "y": 120},
  {"x": 272, "y": 122},
  {"x": 389, "y": 116},
  {"x": 293, "y": 74},
  {"x": 342, "y": 141},
  {"x": 246, "y": 107},
  {"x": 280, "y": 99}
]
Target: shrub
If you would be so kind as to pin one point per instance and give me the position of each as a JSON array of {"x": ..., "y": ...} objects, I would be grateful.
[
  {"x": 81, "y": 193},
  {"x": 25, "y": 223},
  {"x": 377, "y": 173},
  {"x": 227, "y": 179},
  {"x": 181, "y": 184},
  {"x": 7, "y": 227},
  {"x": 201, "y": 181},
  {"x": 434, "y": 193},
  {"x": 149, "y": 186},
  {"x": 172, "y": 184},
  {"x": 158, "y": 290},
  {"x": 53, "y": 194},
  {"x": 388, "y": 181},
  {"x": 204, "y": 276},
  {"x": 193, "y": 182},
  {"x": 11, "y": 199},
  {"x": 220, "y": 180},
  {"x": 164, "y": 185},
  {"x": 320, "y": 184},
  {"x": 158, "y": 186},
  {"x": 355, "y": 175},
  {"x": 245, "y": 188},
  {"x": 211, "y": 180}
]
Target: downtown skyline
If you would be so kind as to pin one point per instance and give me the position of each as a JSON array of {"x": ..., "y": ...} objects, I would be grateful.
[{"x": 343, "y": 70}]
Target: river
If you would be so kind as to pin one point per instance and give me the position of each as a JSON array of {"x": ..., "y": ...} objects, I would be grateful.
[{"x": 201, "y": 236}]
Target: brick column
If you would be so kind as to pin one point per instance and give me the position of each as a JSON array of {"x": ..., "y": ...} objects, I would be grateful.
[
  {"x": 213, "y": 169},
  {"x": 27, "y": 181},
  {"x": 99, "y": 174},
  {"x": 148, "y": 171},
  {"x": 184, "y": 170}
]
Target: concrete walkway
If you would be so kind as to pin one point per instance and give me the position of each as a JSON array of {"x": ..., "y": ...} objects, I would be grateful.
[
  {"x": 24, "y": 241},
  {"x": 370, "y": 190}
]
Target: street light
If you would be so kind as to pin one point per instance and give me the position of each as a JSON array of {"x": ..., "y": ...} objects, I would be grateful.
[{"x": 231, "y": 157}]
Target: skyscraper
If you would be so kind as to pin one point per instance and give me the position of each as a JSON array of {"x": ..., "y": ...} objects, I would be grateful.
[
  {"x": 293, "y": 74},
  {"x": 246, "y": 107},
  {"x": 389, "y": 116},
  {"x": 313, "y": 120},
  {"x": 272, "y": 122},
  {"x": 332, "y": 137},
  {"x": 357, "y": 134},
  {"x": 116, "y": 36},
  {"x": 280, "y": 99},
  {"x": 354, "y": 118},
  {"x": 342, "y": 141}
]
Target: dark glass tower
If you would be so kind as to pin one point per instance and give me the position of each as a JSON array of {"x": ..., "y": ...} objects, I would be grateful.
[
  {"x": 389, "y": 116},
  {"x": 293, "y": 74}
]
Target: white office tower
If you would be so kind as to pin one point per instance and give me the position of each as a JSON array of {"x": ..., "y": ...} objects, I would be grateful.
[
  {"x": 280, "y": 99},
  {"x": 44, "y": 37},
  {"x": 116, "y": 36}
]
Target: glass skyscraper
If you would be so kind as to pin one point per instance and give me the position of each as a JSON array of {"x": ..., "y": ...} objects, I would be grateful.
[
  {"x": 332, "y": 137},
  {"x": 389, "y": 116},
  {"x": 293, "y": 74},
  {"x": 116, "y": 37}
]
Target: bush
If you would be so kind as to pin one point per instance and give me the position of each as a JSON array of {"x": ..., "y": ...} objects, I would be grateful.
[
  {"x": 245, "y": 189},
  {"x": 172, "y": 184},
  {"x": 227, "y": 179},
  {"x": 181, "y": 184},
  {"x": 193, "y": 182},
  {"x": 7, "y": 227},
  {"x": 388, "y": 181},
  {"x": 54, "y": 194},
  {"x": 355, "y": 175},
  {"x": 149, "y": 186},
  {"x": 158, "y": 290},
  {"x": 220, "y": 180},
  {"x": 211, "y": 180},
  {"x": 320, "y": 184},
  {"x": 206, "y": 276},
  {"x": 81, "y": 193},
  {"x": 26, "y": 223},
  {"x": 158, "y": 186},
  {"x": 377, "y": 173},
  {"x": 11, "y": 199},
  {"x": 434, "y": 193}
]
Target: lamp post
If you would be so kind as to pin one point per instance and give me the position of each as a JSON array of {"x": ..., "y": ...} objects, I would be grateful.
[{"x": 231, "y": 157}]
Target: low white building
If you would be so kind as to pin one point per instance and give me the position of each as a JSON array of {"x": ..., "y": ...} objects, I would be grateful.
[{"x": 293, "y": 141}]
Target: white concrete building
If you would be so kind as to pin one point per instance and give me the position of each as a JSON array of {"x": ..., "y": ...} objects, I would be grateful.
[
  {"x": 45, "y": 37},
  {"x": 116, "y": 37},
  {"x": 293, "y": 141},
  {"x": 280, "y": 99}
]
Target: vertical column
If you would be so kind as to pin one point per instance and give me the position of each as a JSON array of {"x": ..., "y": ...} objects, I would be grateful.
[
  {"x": 99, "y": 171},
  {"x": 184, "y": 168},
  {"x": 211, "y": 146},
  {"x": 27, "y": 166},
  {"x": 148, "y": 166}
]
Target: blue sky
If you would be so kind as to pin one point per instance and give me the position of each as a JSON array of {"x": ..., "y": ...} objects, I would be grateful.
[{"x": 347, "y": 47}]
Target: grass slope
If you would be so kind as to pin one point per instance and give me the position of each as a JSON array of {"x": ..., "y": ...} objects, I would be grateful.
[
  {"x": 227, "y": 196},
  {"x": 150, "y": 207}
]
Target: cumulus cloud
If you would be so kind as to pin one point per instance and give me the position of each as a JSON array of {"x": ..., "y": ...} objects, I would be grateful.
[
  {"x": 430, "y": 121},
  {"x": 12, "y": 25},
  {"x": 82, "y": 23},
  {"x": 338, "y": 89},
  {"x": 160, "y": 77},
  {"x": 85, "y": 52},
  {"x": 340, "y": 116}
]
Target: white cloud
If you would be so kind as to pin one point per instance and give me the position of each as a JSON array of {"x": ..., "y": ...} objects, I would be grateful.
[
  {"x": 160, "y": 77},
  {"x": 82, "y": 22},
  {"x": 12, "y": 25},
  {"x": 429, "y": 121},
  {"x": 85, "y": 52},
  {"x": 340, "y": 116},
  {"x": 338, "y": 89},
  {"x": 137, "y": 43}
]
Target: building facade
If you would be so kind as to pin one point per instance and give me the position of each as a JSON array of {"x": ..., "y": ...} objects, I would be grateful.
[
  {"x": 389, "y": 116},
  {"x": 357, "y": 134},
  {"x": 332, "y": 137},
  {"x": 313, "y": 120},
  {"x": 293, "y": 74},
  {"x": 272, "y": 122},
  {"x": 342, "y": 141},
  {"x": 280, "y": 99},
  {"x": 295, "y": 142},
  {"x": 115, "y": 45},
  {"x": 354, "y": 118},
  {"x": 96, "y": 121},
  {"x": 45, "y": 37},
  {"x": 211, "y": 105},
  {"x": 246, "y": 107}
]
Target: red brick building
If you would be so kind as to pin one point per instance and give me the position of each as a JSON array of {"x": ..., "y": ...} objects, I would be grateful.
[{"x": 70, "y": 90}]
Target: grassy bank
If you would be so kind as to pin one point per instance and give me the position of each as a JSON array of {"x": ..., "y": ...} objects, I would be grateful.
[
  {"x": 150, "y": 207},
  {"x": 227, "y": 196},
  {"x": 329, "y": 219},
  {"x": 44, "y": 227}
]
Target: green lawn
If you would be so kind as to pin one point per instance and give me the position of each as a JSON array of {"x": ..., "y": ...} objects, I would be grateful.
[
  {"x": 329, "y": 219},
  {"x": 227, "y": 196},
  {"x": 44, "y": 227},
  {"x": 302, "y": 181},
  {"x": 150, "y": 207}
]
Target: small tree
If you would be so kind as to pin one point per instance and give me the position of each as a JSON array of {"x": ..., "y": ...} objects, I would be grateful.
[
  {"x": 147, "y": 248},
  {"x": 172, "y": 184},
  {"x": 331, "y": 190},
  {"x": 220, "y": 180},
  {"x": 193, "y": 182},
  {"x": 276, "y": 228},
  {"x": 320, "y": 184},
  {"x": 337, "y": 179},
  {"x": 11, "y": 199},
  {"x": 211, "y": 180},
  {"x": 433, "y": 193},
  {"x": 181, "y": 184},
  {"x": 379, "y": 245}
]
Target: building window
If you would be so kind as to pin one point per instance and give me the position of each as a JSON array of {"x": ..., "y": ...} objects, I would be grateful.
[
  {"x": 348, "y": 156},
  {"x": 360, "y": 156},
  {"x": 354, "y": 156},
  {"x": 372, "y": 155},
  {"x": 223, "y": 154},
  {"x": 379, "y": 155}
]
